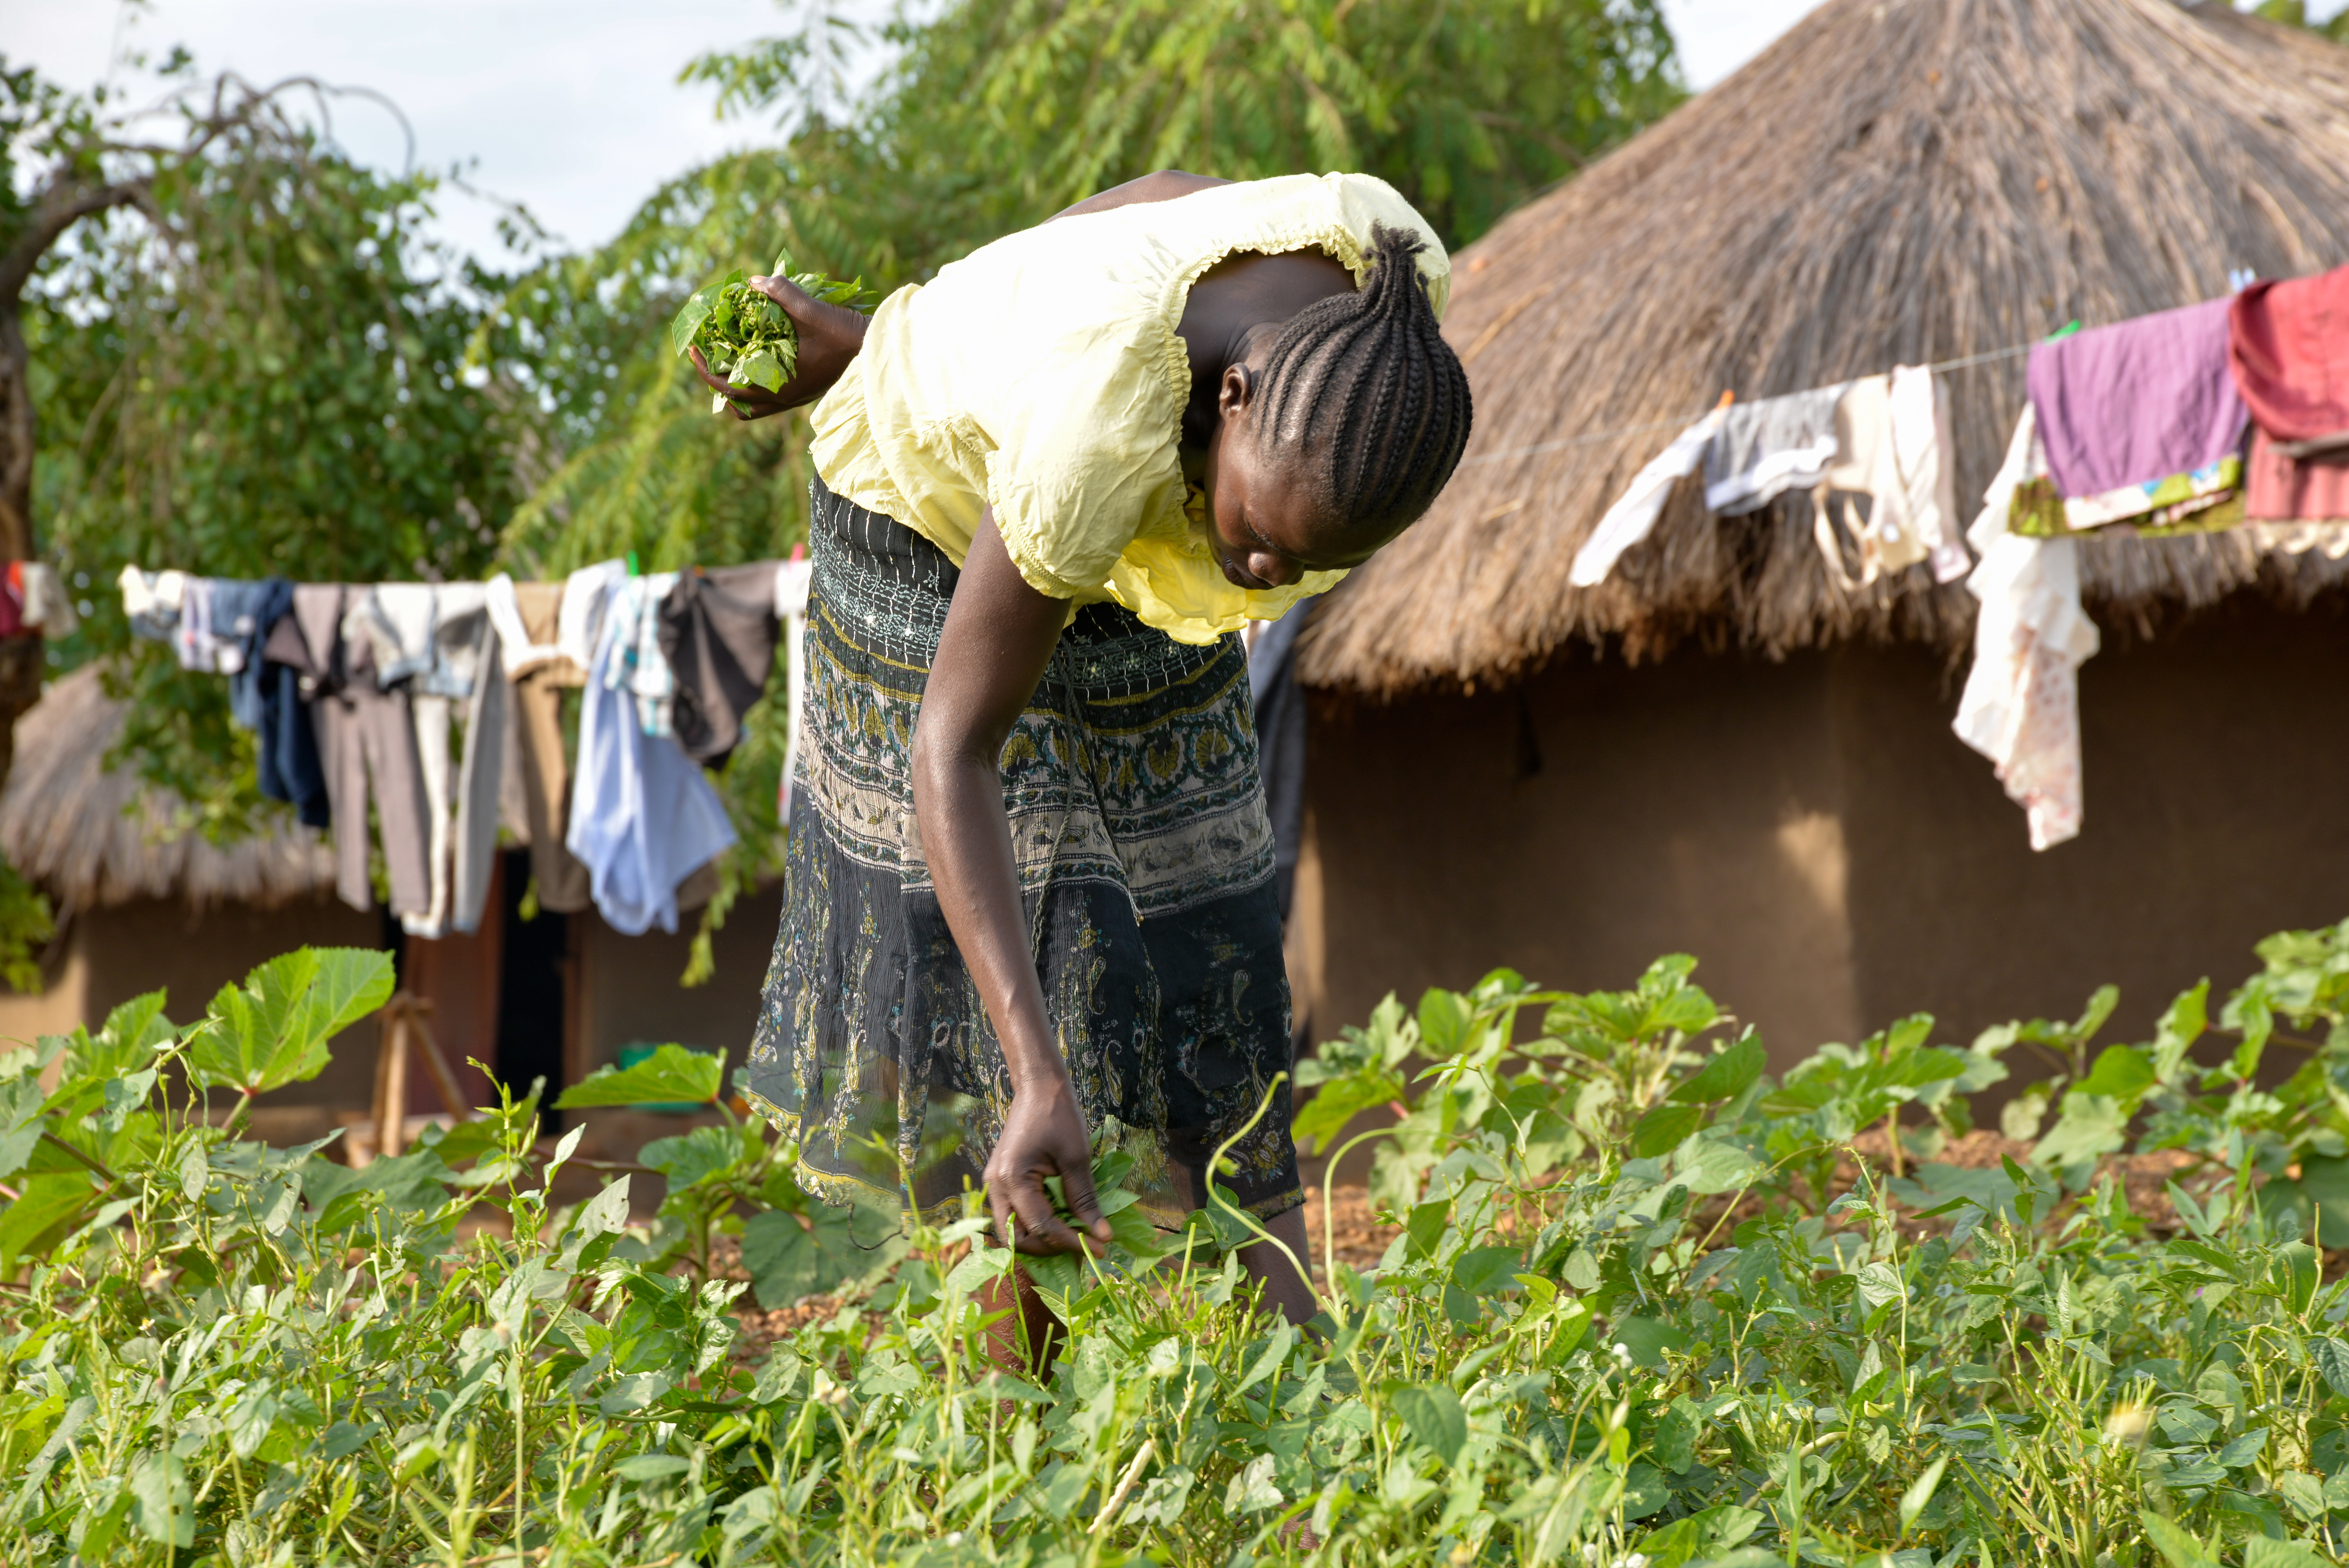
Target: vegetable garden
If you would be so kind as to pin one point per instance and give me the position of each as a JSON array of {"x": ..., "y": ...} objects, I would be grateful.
[{"x": 1645, "y": 1306}]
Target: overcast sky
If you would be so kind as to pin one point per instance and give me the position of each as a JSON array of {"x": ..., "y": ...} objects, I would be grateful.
[{"x": 572, "y": 109}]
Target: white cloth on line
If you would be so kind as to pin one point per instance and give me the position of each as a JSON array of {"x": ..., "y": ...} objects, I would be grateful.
[
  {"x": 152, "y": 593},
  {"x": 579, "y": 620},
  {"x": 1926, "y": 449},
  {"x": 518, "y": 652},
  {"x": 2022, "y": 702},
  {"x": 1632, "y": 517},
  {"x": 792, "y": 581},
  {"x": 1891, "y": 434},
  {"x": 47, "y": 606},
  {"x": 643, "y": 817}
]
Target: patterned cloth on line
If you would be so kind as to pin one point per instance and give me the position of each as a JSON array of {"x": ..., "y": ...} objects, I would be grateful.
[{"x": 1146, "y": 870}]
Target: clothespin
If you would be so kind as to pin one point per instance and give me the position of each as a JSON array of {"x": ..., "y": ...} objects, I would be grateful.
[
  {"x": 1726, "y": 399},
  {"x": 799, "y": 552},
  {"x": 632, "y": 564},
  {"x": 2064, "y": 331}
]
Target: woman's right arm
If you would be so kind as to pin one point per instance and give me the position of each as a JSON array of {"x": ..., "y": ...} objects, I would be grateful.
[
  {"x": 999, "y": 636},
  {"x": 830, "y": 337}
]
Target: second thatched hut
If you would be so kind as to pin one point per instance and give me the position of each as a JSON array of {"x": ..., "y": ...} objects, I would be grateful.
[{"x": 1718, "y": 749}]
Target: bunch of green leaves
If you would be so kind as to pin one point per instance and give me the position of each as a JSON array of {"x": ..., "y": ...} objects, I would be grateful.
[{"x": 744, "y": 337}]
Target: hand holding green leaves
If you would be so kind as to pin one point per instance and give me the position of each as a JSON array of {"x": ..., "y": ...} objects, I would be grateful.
[{"x": 747, "y": 338}]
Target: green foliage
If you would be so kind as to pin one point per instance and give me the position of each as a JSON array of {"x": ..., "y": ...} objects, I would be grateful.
[
  {"x": 672, "y": 1075},
  {"x": 1573, "y": 1351}
]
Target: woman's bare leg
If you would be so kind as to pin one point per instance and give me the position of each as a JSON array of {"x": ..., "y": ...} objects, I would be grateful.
[
  {"x": 1284, "y": 1287},
  {"x": 1027, "y": 1337}
]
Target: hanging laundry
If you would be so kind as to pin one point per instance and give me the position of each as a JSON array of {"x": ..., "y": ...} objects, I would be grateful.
[
  {"x": 290, "y": 768},
  {"x": 639, "y": 666},
  {"x": 243, "y": 614},
  {"x": 460, "y": 833},
  {"x": 792, "y": 580},
  {"x": 48, "y": 608},
  {"x": 718, "y": 632},
  {"x": 643, "y": 816},
  {"x": 2290, "y": 360},
  {"x": 1889, "y": 486},
  {"x": 396, "y": 618},
  {"x": 580, "y": 623},
  {"x": 367, "y": 746},
  {"x": 2022, "y": 702},
  {"x": 545, "y": 775},
  {"x": 1633, "y": 516},
  {"x": 152, "y": 601},
  {"x": 197, "y": 640},
  {"x": 520, "y": 651},
  {"x": 1767, "y": 448},
  {"x": 2136, "y": 419},
  {"x": 1925, "y": 450}
]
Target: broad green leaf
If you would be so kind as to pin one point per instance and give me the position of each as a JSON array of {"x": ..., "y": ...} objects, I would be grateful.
[
  {"x": 21, "y": 1122},
  {"x": 272, "y": 1030},
  {"x": 693, "y": 1157},
  {"x": 46, "y": 1207},
  {"x": 1435, "y": 1416},
  {"x": 1443, "y": 1018},
  {"x": 1487, "y": 1271},
  {"x": 2121, "y": 1072},
  {"x": 671, "y": 1076},
  {"x": 1727, "y": 1074},
  {"x": 1664, "y": 1128}
]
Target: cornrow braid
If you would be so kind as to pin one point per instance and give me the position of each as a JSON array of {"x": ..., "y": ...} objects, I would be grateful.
[{"x": 1364, "y": 390}]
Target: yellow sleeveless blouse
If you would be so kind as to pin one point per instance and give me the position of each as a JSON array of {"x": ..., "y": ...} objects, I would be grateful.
[{"x": 1041, "y": 374}]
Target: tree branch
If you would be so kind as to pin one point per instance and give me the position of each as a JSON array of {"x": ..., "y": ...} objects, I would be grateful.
[{"x": 52, "y": 214}]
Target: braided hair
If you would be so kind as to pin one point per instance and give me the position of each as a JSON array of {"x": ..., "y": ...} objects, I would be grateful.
[{"x": 1363, "y": 390}]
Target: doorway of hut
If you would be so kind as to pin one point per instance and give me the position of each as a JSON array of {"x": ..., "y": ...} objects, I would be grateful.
[{"x": 500, "y": 996}]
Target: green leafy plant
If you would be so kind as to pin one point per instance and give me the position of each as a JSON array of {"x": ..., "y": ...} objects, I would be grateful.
[
  {"x": 746, "y": 338},
  {"x": 1645, "y": 1304}
]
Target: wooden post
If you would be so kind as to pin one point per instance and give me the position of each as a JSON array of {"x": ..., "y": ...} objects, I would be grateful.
[
  {"x": 391, "y": 1079},
  {"x": 437, "y": 1064}
]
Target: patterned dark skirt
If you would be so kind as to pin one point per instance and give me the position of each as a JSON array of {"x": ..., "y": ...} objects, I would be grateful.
[{"x": 1146, "y": 871}]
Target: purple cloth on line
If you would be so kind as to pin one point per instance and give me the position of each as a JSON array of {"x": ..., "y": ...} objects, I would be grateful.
[{"x": 2137, "y": 401}]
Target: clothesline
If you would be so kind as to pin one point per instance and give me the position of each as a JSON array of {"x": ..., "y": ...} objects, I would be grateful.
[
  {"x": 1942, "y": 367},
  {"x": 355, "y": 691}
]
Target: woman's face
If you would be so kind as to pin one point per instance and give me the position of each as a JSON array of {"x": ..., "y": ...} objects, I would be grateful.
[{"x": 1263, "y": 523}]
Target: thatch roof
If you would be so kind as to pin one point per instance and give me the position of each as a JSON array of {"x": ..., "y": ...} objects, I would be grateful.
[
  {"x": 92, "y": 838},
  {"x": 1895, "y": 182}
]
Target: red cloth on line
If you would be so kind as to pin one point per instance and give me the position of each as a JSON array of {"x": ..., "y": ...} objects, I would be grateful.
[
  {"x": 2288, "y": 346},
  {"x": 12, "y": 600}
]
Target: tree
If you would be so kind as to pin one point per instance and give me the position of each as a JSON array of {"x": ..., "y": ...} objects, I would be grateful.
[{"x": 250, "y": 361}]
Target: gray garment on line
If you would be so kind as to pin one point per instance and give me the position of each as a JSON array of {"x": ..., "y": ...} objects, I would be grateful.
[
  {"x": 717, "y": 631},
  {"x": 461, "y": 852},
  {"x": 365, "y": 737},
  {"x": 1769, "y": 446}
]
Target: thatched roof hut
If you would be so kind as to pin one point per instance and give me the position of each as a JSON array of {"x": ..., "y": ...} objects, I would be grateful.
[
  {"x": 1894, "y": 181},
  {"x": 1720, "y": 751},
  {"x": 96, "y": 838}
]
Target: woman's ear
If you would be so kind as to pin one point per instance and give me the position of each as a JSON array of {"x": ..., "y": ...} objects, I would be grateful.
[{"x": 1236, "y": 394}]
